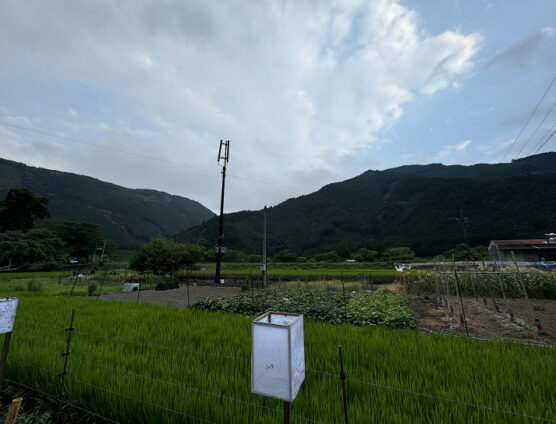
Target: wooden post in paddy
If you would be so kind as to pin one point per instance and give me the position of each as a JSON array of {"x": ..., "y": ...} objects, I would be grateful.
[
  {"x": 343, "y": 379},
  {"x": 13, "y": 411},
  {"x": 287, "y": 412},
  {"x": 5, "y": 348},
  {"x": 65, "y": 355}
]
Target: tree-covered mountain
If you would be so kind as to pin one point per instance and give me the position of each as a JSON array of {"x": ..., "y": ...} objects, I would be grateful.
[
  {"x": 128, "y": 217},
  {"x": 412, "y": 206}
]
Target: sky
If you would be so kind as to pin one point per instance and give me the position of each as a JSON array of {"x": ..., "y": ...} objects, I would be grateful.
[{"x": 140, "y": 93}]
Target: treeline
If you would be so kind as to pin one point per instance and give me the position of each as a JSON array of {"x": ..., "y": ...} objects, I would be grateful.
[
  {"x": 344, "y": 253},
  {"x": 46, "y": 245}
]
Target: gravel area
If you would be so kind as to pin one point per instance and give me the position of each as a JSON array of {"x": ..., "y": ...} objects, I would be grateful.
[{"x": 175, "y": 297}]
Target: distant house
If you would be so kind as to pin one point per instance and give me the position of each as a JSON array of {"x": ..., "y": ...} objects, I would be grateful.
[{"x": 531, "y": 250}]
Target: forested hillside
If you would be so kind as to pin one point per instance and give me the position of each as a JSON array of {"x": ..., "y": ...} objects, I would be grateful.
[
  {"x": 128, "y": 217},
  {"x": 412, "y": 206}
]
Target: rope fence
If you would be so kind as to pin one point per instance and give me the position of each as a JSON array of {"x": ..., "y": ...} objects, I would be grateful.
[{"x": 81, "y": 359}]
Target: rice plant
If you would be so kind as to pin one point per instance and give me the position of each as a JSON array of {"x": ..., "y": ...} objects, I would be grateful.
[{"x": 140, "y": 363}]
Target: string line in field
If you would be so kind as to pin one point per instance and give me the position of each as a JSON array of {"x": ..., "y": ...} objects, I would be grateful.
[
  {"x": 158, "y": 346},
  {"x": 154, "y": 405},
  {"x": 44, "y": 324},
  {"x": 412, "y": 392},
  {"x": 18, "y": 342},
  {"x": 25, "y": 386},
  {"x": 194, "y": 389},
  {"x": 171, "y": 383},
  {"x": 27, "y": 364}
]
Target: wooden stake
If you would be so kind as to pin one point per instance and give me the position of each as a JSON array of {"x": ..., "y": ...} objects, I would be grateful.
[
  {"x": 287, "y": 412},
  {"x": 65, "y": 355},
  {"x": 5, "y": 348},
  {"x": 522, "y": 283},
  {"x": 13, "y": 411},
  {"x": 460, "y": 298},
  {"x": 343, "y": 379}
]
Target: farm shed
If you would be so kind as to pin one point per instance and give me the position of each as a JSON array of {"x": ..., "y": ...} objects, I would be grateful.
[{"x": 531, "y": 250}]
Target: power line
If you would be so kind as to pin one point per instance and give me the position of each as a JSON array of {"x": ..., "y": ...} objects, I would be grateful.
[
  {"x": 142, "y": 156},
  {"x": 536, "y": 129},
  {"x": 530, "y": 117},
  {"x": 547, "y": 135}
]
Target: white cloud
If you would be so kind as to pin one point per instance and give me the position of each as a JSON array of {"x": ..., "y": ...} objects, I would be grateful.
[
  {"x": 302, "y": 89},
  {"x": 453, "y": 148}
]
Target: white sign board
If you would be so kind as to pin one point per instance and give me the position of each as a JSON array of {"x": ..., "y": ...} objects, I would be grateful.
[
  {"x": 130, "y": 287},
  {"x": 277, "y": 355},
  {"x": 8, "y": 306}
]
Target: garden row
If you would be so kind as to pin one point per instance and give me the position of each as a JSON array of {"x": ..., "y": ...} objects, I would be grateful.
[
  {"x": 359, "y": 308},
  {"x": 538, "y": 285}
]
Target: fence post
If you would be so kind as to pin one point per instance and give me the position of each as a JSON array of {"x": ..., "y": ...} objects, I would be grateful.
[
  {"x": 343, "y": 379},
  {"x": 287, "y": 412},
  {"x": 65, "y": 355}
]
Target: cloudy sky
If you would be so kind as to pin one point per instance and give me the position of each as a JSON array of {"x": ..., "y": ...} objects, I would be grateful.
[{"x": 139, "y": 93}]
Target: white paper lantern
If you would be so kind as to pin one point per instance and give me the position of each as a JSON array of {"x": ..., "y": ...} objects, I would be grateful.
[
  {"x": 277, "y": 355},
  {"x": 8, "y": 306}
]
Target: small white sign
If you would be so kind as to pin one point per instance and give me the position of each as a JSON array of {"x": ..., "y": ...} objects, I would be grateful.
[
  {"x": 277, "y": 355},
  {"x": 8, "y": 306}
]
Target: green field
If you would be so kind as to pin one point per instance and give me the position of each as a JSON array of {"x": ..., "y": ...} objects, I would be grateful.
[{"x": 144, "y": 363}]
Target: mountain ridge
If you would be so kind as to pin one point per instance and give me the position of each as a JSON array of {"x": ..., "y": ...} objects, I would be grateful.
[
  {"x": 402, "y": 207},
  {"x": 127, "y": 216}
]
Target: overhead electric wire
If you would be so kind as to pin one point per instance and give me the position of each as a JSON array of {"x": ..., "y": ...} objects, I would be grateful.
[
  {"x": 547, "y": 135},
  {"x": 546, "y": 141},
  {"x": 529, "y": 119},
  {"x": 536, "y": 129},
  {"x": 140, "y": 155}
]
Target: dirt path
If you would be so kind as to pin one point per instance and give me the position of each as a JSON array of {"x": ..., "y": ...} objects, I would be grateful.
[
  {"x": 484, "y": 321},
  {"x": 175, "y": 297}
]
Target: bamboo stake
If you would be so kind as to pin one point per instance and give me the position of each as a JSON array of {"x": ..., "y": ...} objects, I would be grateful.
[
  {"x": 13, "y": 411},
  {"x": 460, "y": 298},
  {"x": 522, "y": 283}
]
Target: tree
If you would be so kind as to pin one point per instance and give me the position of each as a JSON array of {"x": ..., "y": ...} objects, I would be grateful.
[
  {"x": 365, "y": 255},
  {"x": 326, "y": 257},
  {"x": 396, "y": 254},
  {"x": 34, "y": 246},
  {"x": 20, "y": 208},
  {"x": 80, "y": 238},
  {"x": 162, "y": 256},
  {"x": 284, "y": 256}
]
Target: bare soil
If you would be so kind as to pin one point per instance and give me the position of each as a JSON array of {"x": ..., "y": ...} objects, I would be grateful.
[
  {"x": 174, "y": 297},
  {"x": 484, "y": 321}
]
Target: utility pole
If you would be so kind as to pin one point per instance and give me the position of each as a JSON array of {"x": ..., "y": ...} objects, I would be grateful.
[
  {"x": 263, "y": 265},
  {"x": 464, "y": 222},
  {"x": 225, "y": 157}
]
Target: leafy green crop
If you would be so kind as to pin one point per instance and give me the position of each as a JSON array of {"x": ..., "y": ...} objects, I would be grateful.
[{"x": 360, "y": 308}]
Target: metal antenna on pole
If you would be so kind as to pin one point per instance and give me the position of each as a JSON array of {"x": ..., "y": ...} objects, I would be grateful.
[
  {"x": 224, "y": 155},
  {"x": 263, "y": 265}
]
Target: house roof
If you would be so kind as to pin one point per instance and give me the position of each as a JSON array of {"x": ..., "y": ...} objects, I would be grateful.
[{"x": 525, "y": 244}]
